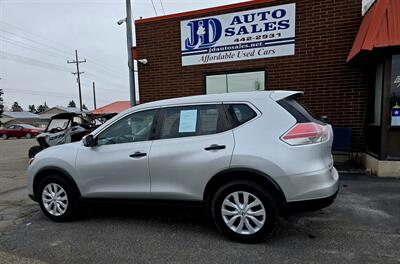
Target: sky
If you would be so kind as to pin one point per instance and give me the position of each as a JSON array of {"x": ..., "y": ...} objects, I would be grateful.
[{"x": 38, "y": 37}]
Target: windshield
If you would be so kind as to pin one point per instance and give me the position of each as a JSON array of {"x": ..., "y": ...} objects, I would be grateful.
[
  {"x": 28, "y": 126},
  {"x": 61, "y": 123}
]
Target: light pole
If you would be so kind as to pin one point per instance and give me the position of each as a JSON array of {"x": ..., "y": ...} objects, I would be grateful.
[{"x": 128, "y": 21}]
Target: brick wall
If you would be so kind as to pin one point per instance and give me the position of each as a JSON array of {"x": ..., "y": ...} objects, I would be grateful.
[{"x": 325, "y": 31}]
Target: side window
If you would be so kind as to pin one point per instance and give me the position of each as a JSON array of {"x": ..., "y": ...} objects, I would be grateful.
[
  {"x": 239, "y": 113},
  {"x": 191, "y": 121},
  {"x": 133, "y": 128},
  {"x": 11, "y": 127}
]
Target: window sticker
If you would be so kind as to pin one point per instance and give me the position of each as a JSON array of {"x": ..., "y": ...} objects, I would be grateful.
[
  {"x": 396, "y": 115},
  {"x": 187, "y": 121}
]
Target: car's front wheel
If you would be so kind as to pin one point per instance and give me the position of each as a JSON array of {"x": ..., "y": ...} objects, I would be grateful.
[
  {"x": 57, "y": 198},
  {"x": 28, "y": 135},
  {"x": 244, "y": 211},
  {"x": 33, "y": 151},
  {"x": 4, "y": 136}
]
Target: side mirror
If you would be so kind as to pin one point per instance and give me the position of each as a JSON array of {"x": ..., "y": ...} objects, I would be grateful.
[
  {"x": 324, "y": 119},
  {"x": 88, "y": 141}
]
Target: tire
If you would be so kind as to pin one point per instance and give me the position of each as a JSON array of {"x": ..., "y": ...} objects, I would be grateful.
[
  {"x": 33, "y": 151},
  {"x": 251, "y": 231},
  {"x": 4, "y": 136},
  {"x": 67, "y": 203},
  {"x": 28, "y": 135}
]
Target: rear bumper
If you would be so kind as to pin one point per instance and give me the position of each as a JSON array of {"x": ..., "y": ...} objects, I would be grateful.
[
  {"x": 309, "y": 186},
  {"x": 291, "y": 208},
  {"x": 319, "y": 190}
]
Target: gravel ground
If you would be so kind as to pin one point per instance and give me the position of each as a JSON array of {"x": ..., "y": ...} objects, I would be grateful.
[{"x": 362, "y": 226}]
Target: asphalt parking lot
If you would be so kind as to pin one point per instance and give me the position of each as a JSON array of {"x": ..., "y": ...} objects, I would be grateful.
[{"x": 362, "y": 226}]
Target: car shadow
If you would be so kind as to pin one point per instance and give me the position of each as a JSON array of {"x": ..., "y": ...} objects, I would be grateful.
[
  {"x": 195, "y": 214},
  {"x": 189, "y": 217}
]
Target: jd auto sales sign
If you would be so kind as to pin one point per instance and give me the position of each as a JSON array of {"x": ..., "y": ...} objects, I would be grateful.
[{"x": 260, "y": 33}]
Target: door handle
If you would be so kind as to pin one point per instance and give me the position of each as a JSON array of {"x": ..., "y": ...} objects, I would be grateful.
[
  {"x": 138, "y": 154},
  {"x": 215, "y": 147}
]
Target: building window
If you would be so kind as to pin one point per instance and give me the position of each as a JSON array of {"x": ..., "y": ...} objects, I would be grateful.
[
  {"x": 395, "y": 91},
  {"x": 235, "y": 82}
]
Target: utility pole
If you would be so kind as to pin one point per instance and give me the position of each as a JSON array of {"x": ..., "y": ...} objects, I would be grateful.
[
  {"x": 78, "y": 73},
  {"x": 94, "y": 96},
  {"x": 129, "y": 48}
]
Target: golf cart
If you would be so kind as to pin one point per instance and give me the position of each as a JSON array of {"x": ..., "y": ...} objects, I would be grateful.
[{"x": 66, "y": 128}]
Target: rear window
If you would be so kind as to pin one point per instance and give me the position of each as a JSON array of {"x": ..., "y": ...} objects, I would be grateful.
[
  {"x": 298, "y": 111},
  {"x": 239, "y": 114}
]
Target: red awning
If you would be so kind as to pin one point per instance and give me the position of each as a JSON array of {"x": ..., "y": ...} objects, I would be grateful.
[
  {"x": 380, "y": 28},
  {"x": 115, "y": 107}
]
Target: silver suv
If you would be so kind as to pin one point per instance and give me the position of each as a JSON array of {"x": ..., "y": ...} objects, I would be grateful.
[{"x": 248, "y": 157}]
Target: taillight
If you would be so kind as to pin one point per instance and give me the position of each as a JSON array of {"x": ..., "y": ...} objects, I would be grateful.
[{"x": 306, "y": 133}]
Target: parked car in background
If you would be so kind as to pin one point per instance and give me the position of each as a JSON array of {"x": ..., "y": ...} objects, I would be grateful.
[
  {"x": 247, "y": 156},
  {"x": 19, "y": 131}
]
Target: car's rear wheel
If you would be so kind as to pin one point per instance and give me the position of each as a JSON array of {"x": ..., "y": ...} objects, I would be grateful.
[
  {"x": 244, "y": 211},
  {"x": 4, "y": 136},
  {"x": 28, "y": 135},
  {"x": 57, "y": 198}
]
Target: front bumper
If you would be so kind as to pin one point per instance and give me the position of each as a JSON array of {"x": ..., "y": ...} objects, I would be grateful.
[{"x": 32, "y": 197}]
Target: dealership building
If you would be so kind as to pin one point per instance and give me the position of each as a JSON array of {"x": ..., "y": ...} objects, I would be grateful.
[{"x": 344, "y": 55}]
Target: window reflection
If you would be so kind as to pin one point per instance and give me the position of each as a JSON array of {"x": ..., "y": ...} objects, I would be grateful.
[{"x": 395, "y": 91}]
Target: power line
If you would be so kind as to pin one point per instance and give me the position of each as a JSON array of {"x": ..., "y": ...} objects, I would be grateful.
[
  {"x": 28, "y": 40},
  {"x": 33, "y": 62},
  {"x": 52, "y": 54},
  {"x": 96, "y": 76},
  {"x": 59, "y": 44},
  {"x": 34, "y": 35},
  {"x": 34, "y": 41},
  {"x": 154, "y": 7},
  {"x": 162, "y": 7},
  {"x": 36, "y": 49},
  {"x": 105, "y": 69},
  {"x": 50, "y": 66},
  {"x": 106, "y": 89},
  {"x": 42, "y": 93}
]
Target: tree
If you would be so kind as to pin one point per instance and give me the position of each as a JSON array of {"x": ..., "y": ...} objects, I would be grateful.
[
  {"x": 71, "y": 104},
  {"x": 32, "y": 108},
  {"x": 1, "y": 103},
  {"x": 42, "y": 108},
  {"x": 16, "y": 107},
  {"x": 84, "y": 107}
]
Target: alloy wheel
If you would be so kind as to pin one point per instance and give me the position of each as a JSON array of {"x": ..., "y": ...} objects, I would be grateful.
[
  {"x": 243, "y": 213},
  {"x": 55, "y": 199}
]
